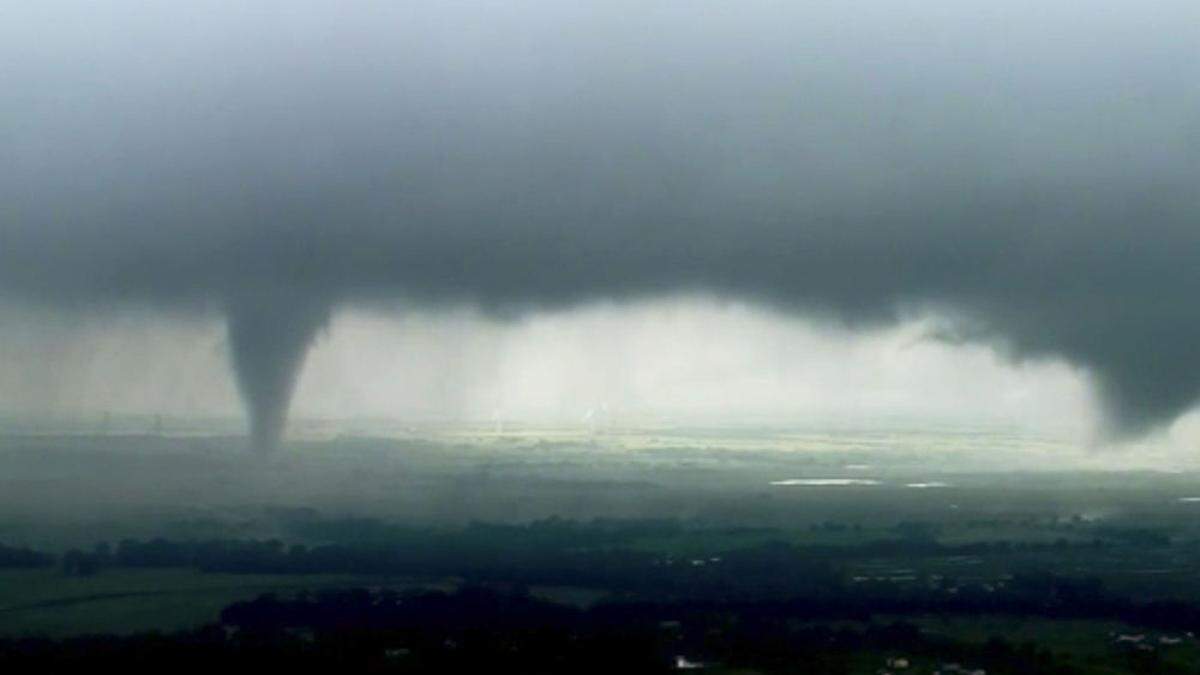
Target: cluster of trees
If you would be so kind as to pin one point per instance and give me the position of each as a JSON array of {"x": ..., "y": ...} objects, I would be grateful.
[
  {"x": 489, "y": 551},
  {"x": 370, "y": 546},
  {"x": 1134, "y": 536},
  {"x": 12, "y": 557},
  {"x": 808, "y": 576},
  {"x": 478, "y": 630},
  {"x": 484, "y": 554},
  {"x": 1041, "y": 594}
]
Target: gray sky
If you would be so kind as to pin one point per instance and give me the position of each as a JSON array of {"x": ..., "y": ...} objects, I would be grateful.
[
  {"x": 1023, "y": 171},
  {"x": 679, "y": 361}
]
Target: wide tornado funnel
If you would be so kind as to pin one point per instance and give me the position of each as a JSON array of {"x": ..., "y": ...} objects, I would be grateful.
[{"x": 269, "y": 336}]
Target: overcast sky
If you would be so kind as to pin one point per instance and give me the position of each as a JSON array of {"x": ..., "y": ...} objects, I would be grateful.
[{"x": 1019, "y": 176}]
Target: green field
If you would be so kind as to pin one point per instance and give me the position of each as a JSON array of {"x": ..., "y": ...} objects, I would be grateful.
[{"x": 46, "y": 603}]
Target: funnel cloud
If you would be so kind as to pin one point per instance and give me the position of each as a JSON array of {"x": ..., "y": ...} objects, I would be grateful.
[
  {"x": 269, "y": 335},
  {"x": 1027, "y": 171}
]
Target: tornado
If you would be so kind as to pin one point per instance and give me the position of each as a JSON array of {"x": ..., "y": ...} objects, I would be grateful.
[
  {"x": 270, "y": 333},
  {"x": 1029, "y": 180}
]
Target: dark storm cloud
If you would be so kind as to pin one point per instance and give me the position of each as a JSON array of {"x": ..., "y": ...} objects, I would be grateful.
[{"x": 1029, "y": 169}]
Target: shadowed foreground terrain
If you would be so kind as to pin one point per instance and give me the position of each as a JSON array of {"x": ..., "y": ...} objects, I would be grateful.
[{"x": 731, "y": 550}]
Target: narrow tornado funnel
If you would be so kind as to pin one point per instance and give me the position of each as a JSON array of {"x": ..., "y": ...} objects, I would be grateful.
[{"x": 269, "y": 336}]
